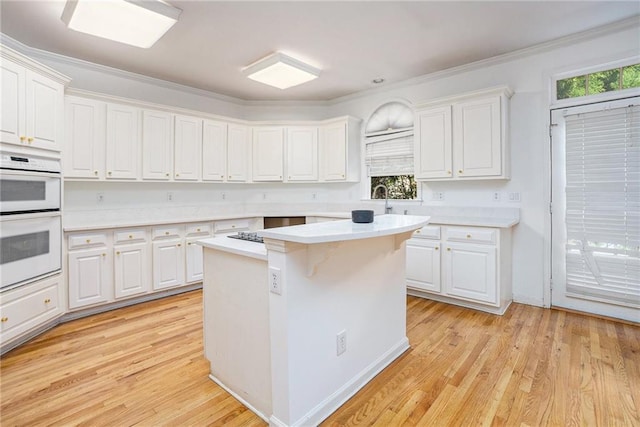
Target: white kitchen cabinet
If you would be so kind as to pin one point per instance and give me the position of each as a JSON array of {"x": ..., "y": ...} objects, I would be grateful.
[
  {"x": 302, "y": 153},
  {"x": 123, "y": 142},
  {"x": 85, "y": 131},
  {"x": 268, "y": 153},
  {"x": 131, "y": 265},
  {"x": 168, "y": 257},
  {"x": 423, "y": 264},
  {"x": 32, "y": 103},
  {"x": 157, "y": 145},
  {"x": 339, "y": 150},
  {"x": 193, "y": 252},
  {"x": 467, "y": 266},
  {"x": 89, "y": 273},
  {"x": 188, "y": 148},
  {"x": 238, "y": 153},
  {"x": 214, "y": 150},
  {"x": 29, "y": 307},
  {"x": 463, "y": 137}
]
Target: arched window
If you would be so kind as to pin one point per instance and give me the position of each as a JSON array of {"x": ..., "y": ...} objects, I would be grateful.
[{"x": 389, "y": 151}]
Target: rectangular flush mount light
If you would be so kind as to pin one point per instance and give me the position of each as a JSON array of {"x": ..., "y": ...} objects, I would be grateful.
[
  {"x": 281, "y": 71},
  {"x": 138, "y": 23}
]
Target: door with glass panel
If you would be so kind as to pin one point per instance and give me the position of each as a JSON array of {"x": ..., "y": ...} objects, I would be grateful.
[{"x": 596, "y": 208}]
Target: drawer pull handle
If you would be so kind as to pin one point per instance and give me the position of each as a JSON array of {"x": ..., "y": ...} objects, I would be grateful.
[
  {"x": 233, "y": 226},
  {"x": 449, "y": 249},
  {"x": 4, "y": 319},
  {"x": 166, "y": 233},
  {"x": 88, "y": 240},
  {"x": 468, "y": 236},
  {"x": 47, "y": 301},
  {"x": 197, "y": 229}
]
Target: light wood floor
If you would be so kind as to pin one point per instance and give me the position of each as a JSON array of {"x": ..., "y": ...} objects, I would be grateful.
[{"x": 143, "y": 365}]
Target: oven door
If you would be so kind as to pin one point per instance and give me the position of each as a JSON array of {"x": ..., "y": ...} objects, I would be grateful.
[
  {"x": 30, "y": 247},
  {"x": 24, "y": 192}
]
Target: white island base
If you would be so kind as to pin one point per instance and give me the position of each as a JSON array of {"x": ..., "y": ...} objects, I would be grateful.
[{"x": 278, "y": 352}]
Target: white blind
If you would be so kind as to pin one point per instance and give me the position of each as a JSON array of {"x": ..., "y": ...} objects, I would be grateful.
[
  {"x": 603, "y": 205},
  {"x": 389, "y": 154}
]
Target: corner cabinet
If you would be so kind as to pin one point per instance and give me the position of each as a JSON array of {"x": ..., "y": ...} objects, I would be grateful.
[
  {"x": 467, "y": 266},
  {"x": 32, "y": 102},
  {"x": 463, "y": 137}
]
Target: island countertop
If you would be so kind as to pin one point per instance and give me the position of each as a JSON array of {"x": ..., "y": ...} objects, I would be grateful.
[{"x": 336, "y": 231}]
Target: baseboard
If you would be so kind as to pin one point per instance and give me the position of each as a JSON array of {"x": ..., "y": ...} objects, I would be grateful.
[
  {"x": 536, "y": 302},
  {"x": 344, "y": 393},
  {"x": 16, "y": 342},
  {"x": 461, "y": 303},
  {"x": 244, "y": 402}
]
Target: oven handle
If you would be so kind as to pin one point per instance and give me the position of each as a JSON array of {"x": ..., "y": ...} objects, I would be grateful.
[{"x": 35, "y": 174}]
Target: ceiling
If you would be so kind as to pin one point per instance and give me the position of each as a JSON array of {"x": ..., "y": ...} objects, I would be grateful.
[{"x": 352, "y": 42}]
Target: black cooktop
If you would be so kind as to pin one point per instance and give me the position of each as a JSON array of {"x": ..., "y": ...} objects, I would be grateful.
[{"x": 248, "y": 236}]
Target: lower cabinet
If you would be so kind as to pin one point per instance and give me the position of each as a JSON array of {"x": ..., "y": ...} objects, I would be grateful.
[
  {"x": 89, "y": 276},
  {"x": 468, "y": 266},
  {"x": 28, "y": 307},
  {"x": 130, "y": 268},
  {"x": 168, "y": 264}
]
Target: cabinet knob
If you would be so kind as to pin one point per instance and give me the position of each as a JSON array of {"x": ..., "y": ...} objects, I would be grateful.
[
  {"x": 95, "y": 172},
  {"x": 177, "y": 174},
  {"x": 468, "y": 236},
  {"x": 229, "y": 176},
  {"x": 167, "y": 174},
  {"x": 118, "y": 253},
  {"x": 280, "y": 176},
  {"x": 233, "y": 226},
  {"x": 131, "y": 236},
  {"x": 179, "y": 244},
  {"x": 417, "y": 231},
  {"x": 222, "y": 177},
  {"x": 104, "y": 255},
  {"x": 29, "y": 140},
  {"x": 4, "y": 319},
  {"x": 449, "y": 249},
  {"x": 109, "y": 173},
  {"x": 166, "y": 233},
  {"x": 436, "y": 248},
  {"x": 197, "y": 229},
  {"x": 88, "y": 240},
  {"x": 459, "y": 170},
  {"x": 449, "y": 172},
  {"x": 23, "y": 138},
  {"x": 189, "y": 244},
  {"x": 47, "y": 301},
  {"x": 343, "y": 175}
]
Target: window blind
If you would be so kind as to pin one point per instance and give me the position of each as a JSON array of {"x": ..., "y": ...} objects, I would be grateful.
[
  {"x": 603, "y": 205},
  {"x": 389, "y": 154}
]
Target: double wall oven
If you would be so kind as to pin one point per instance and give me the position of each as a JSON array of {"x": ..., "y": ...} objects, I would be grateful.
[{"x": 30, "y": 219}]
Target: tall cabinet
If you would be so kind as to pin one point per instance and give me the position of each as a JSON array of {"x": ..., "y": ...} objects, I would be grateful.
[{"x": 463, "y": 137}]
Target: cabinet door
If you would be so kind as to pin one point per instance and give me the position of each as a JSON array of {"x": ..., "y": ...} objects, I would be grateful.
[
  {"x": 89, "y": 277},
  {"x": 84, "y": 151},
  {"x": 123, "y": 142},
  {"x": 12, "y": 119},
  {"x": 45, "y": 112},
  {"x": 130, "y": 270},
  {"x": 477, "y": 140},
  {"x": 214, "y": 151},
  {"x": 168, "y": 264},
  {"x": 302, "y": 154},
  {"x": 433, "y": 144},
  {"x": 188, "y": 148},
  {"x": 157, "y": 145},
  {"x": 194, "y": 261},
  {"x": 333, "y": 152},
  {"x": 268, "y": 152},
  {"x": 238, "y": 153},
  {"x": 423, "y": 264},
  {"x": 470, "y": 272}
]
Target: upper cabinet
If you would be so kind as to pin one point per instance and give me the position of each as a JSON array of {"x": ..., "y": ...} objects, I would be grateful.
[
  {"x": 339, "y": 149},
  {"x": 157, "y": 145},
  {"x": 123, "y": 142},
  {"x": 238, "y": 153},
  {"x": 188, "y": 148},
  {"x": 463, "y": 137},
  {"x": 268, "y": 152},
  {"x": 84, "y": 148},
  {"x": 302, "y": 153},
  {"x": 214, "y": 150},
  {"x": 32, "y": 103}
]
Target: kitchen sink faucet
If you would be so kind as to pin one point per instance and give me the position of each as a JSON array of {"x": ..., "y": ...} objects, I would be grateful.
[{"x": 387, "y": 208}]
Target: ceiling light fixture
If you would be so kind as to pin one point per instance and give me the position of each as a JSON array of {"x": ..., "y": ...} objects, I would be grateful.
[
  {"x": 138, "y": 23},
  {"x": 281, "y": 71}
]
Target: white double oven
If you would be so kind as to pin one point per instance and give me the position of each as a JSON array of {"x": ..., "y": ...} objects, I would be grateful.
[{"x": 30, "y": 219}]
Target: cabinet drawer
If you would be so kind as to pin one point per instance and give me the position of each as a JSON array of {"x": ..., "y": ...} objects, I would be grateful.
[
  {"x": 130, "y": 236},
  {"x": 166, "y": 232},
  {"x": 28, "y": 307},
  {"x": 87, "y": 240},
  {"x": 470, "y": 234},
  {"x": 198, "y": 229},
  {"x": 231, "y": 225},
  {"x": 428, "y": 232}
]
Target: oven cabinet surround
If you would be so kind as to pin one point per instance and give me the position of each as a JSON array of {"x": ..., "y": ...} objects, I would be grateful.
[
  {"x": 28, "y": 310},
  {"x": 463, "y": 137},
  {"x": 32, "y": 103},
  {"x": 108, "y": 138},
  {"x": 462, "y": 265},
  {"x": 334, "y": 277},
  {"x": 111, "y": 265}
]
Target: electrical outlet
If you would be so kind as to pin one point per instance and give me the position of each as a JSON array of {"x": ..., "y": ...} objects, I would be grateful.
[
  {"x": 275, "y": 285},
  {"x": 438, "y": 195},
  {"x": 514, "y": 197},
  {"x": 169, "y": 196},
  {"x": 314, "y": 196},
  {"x": 224, "y": 196},
  {"x": 496, "y": 196},
  {"x": 100, "y": 197},
  {"x": 341, "y": 342},
  {"x": 264, "y": 196}
]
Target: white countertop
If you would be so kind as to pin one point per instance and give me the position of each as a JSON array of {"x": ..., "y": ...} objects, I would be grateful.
[
  {"x": 240, "y": 247},
  {"x": 335, "y": 231},
  {"x": 474, "y": 221}
]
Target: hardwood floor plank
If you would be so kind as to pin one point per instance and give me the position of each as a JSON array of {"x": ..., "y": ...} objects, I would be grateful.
[{"x": 143, "y": 365}]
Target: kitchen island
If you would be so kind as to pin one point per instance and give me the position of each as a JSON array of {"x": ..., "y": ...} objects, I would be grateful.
[{"x": 295, "y": 326}]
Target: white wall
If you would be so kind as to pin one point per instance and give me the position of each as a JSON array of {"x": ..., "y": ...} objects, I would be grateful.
[{"x": 528, "y": 74}]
